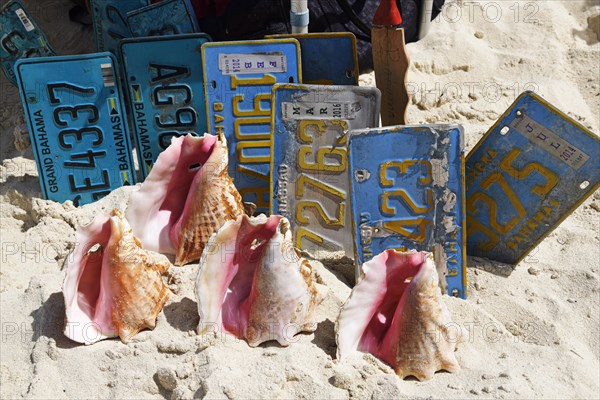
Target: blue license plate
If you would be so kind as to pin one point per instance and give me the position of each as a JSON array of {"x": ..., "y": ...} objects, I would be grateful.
[
  {"x": 20, "y": 37},
  {"x": 169, "y": 17},
  {"x": 238, "y": 79},
  {"x": 320, "y": 70},
  {"x": 309, "y": 163},
  {"x": 77, "y": 125},
  {"x": 407, "y": 193},
  {"x": 166, "y": 91},
  {"x": 532, "y": 169},
  {"x": 110, "y": 21}
]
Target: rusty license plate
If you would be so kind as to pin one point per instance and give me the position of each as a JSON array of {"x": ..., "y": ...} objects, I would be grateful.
[
  {"x": 407, "y": 193},
  {"x": 238, "y": 80},
  {"x": 169, "y": 17},
  {"x": 532, "y": 169},
  {"x": 320, "y": 70},
  {"x": 110, "y": 21},
  {"x": 309, "y": 162},
  {"x": 20, "y": 37}
]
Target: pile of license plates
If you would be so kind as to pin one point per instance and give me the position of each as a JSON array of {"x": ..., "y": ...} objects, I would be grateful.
[{"x": 304, "y": 140}]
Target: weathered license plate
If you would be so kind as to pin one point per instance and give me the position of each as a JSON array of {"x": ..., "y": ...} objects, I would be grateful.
[
  {"x": 407, "y": 192},
  {"x": 309, "y": 162},
  {"x": 238, "y": 79},
  {"x": 528, "y": 173},
  {"x": 20, "y": 37},
  {"x": 77, "y": 125},
  {"x": 166, "y": 91},
  {"x": 110, "y": 23},
  {"x": 169, "y": 17},
  {"x": 319, "y": 69}
]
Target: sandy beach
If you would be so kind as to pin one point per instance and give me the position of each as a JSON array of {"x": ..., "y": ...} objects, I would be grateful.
[{"x": 530, "y": 332}]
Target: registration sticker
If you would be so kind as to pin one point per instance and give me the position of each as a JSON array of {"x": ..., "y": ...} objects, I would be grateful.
[
  {"x": 239, "y": 64},
  {"x": 110, "y": 23},
  {"x": 77, "y": 125},
  {"x": 407, "y": 193},
  {"x": 532, "y": 169},
  {"x": 327, "y": 58},
  {"x": 169, "y": 17},
  {"x": 309, "y": 164},
  {"x": 166, "y": 91},
  {"x": 239, "y": 105},
  {"x": 20, "y": 37}
]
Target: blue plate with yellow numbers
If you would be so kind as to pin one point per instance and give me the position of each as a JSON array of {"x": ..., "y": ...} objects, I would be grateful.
[
  {"x": 20, "y": 37},
  {"x": 238, "y": 79},
  {"x": 169, "y": 17},
  {"x": 110, "y": 21},
  {"x": 77, "y": 125},
  {"x": 309, "y": 160},
  {"x": 320, "y": 70},
  {"x": 166, "y": 91},
  {"x": 532, "y": 169},
  {"x": 407, "y": 193}
]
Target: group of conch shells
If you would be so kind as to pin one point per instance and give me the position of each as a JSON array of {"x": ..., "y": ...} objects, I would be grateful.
[{"x": 252, "y": 282}]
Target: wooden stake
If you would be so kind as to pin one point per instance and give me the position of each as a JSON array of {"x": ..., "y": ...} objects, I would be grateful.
[{"x": 390, "y": 62}]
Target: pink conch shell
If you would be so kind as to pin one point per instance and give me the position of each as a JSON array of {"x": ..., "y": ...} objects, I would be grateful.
[
  {"x": 254, "y": 284},
  {"x": 186, "y": 198},
  {"x": 113, "y": 287},
  {"x": 397, "y": 314}
]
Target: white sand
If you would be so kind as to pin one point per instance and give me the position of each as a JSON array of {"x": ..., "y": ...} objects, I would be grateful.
[{"x": 532, "y": 332}]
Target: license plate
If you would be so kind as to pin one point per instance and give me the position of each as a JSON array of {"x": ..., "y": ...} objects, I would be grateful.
[
  {"x": 532, "y": 169},
  {"x": 170, "y": 17},
  {"x": 238, "y": 78},
  {"x": 166, "y": 91},
  {"x": 77, "y": 125},
  {"x": 319, "y": 69},
  {"x": 309, "y": 163},
  {"x": 407, "y": 193},
  {"x": 110, "y": 23},
  {"x": 20, "y": 37}
]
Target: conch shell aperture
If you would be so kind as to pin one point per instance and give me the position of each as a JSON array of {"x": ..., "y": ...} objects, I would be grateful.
[
  {"x": 253, "y": 284},
  {"x": 186, "y": 198},
  {"x": 396, "y": 313},
  {"x": 113, "y": 287}
]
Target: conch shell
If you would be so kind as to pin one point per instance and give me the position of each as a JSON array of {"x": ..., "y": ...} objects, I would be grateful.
[
  {"x": 186, "y": 198},
  {"x": 113, "y": 287},
  {"x": 397, "y": 314},
  {"x": 253, "y": 284}
]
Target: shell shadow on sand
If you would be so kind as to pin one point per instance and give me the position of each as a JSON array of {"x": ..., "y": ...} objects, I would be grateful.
[
  {"x": 182, "y": 315},
  {"x": 48, "y": 320},
  {"x": 325, "y": 338}
]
